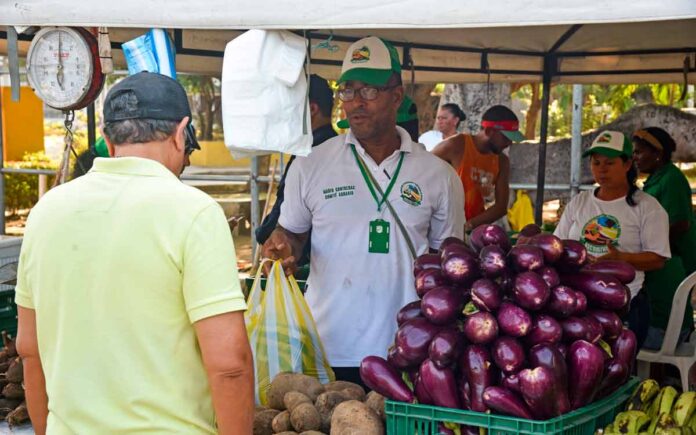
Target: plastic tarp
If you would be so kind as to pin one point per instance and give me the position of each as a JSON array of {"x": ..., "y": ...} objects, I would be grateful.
[{"x": 448, "y": 41}]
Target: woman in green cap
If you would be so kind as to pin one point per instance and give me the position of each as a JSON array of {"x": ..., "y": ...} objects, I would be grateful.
[
  {"x": 617, "y": 221},
  {"x": 653, "y": 148}
]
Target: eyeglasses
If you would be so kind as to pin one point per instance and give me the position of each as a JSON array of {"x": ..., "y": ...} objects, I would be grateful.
[{"x": 367, "y": 93}]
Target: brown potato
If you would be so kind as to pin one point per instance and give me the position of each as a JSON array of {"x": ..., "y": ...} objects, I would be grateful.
[
  {"x": 286, "y": 382},
  {"x": 305, "y": 417},
  {"x": 294, "y": 398},
  {"x": 326, "y": 402},
  {"x": 350, "y": 390},
  {"x": 263, "y": 421},
  {"x": 281, "y": 422},
  {"x": 355, "y": 418},
  {"x": 312, "y": 432},
  {"x": 376, "y": 402}
]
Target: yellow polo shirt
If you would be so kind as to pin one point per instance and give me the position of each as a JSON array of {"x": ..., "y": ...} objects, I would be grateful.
[{"x": 118, "y": 265}]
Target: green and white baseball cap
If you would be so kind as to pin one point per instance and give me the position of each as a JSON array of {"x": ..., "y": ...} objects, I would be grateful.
[
  {"x": 370, "y": 60},
  {"x": 611, "y": 144}
]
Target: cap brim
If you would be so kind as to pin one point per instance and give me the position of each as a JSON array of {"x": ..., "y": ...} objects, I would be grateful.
[
  {"x": 513, "y": 135},
  {"x": 609, "y": 152},
  {"x": 375, "y": 77},
  {"x": 343, "y": 123}
]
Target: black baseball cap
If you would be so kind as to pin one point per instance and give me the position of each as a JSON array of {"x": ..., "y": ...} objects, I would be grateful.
[{"x": 153, "y": 96}]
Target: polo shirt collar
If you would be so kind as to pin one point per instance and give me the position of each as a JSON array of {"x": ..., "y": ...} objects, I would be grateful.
[
  {"x": 406, "y": 142},
  {"x": 131, "y": 166}
]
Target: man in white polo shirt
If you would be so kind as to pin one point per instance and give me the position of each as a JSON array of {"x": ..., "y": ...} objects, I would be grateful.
[{"x": 349, "y": 191}]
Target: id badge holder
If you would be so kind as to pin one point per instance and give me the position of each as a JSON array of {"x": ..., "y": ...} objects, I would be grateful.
[{"x": 379, "y": 237}]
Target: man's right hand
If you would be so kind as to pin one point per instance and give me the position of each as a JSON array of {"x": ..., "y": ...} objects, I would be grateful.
[{"x": 279, "y": 247}]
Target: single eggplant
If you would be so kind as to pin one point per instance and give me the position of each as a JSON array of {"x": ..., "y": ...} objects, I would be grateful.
[
  {"x": 492, "y": 261},
  {"x": 602, "y": 290},
  {"x": 413, "y": 339},
  {"x": 538, "y": 388},
  {"x": 486, "y": 294},
  {"x": 478, "y": 370},
  {"x": 530, "y": 230},
  {"x": 624, "y": 348},
  {"x": 549, "y": 356},
  {"x": 506, "y": 402},
  {"x": 594, "y": 329},
  {"x": 422, "y": 393},
  {"x": 426, "y": 261},
  {"x": 378, "y": 375},
  {"x": 452, "y": 241},
  {"x": 585, "y": 370},
  {"x": 508, "y": 354},
  {"x": 513, "y": 320},
  {"x": 549, "y": 275},
  {"x": 530, "y": 291},
  {"x": 459, "y": 267},
  {"x": 481, "y": 328},
  {"x": 524, "y": 258},
  {"x": 441, "y": 305},
  {"x": 511, "y": 382},
  {"x": 551, "y": 246},
  {"x": 395, "y": 359},
  {"x": 574, "y": 255},
  {"x": 408, "y": 312},
  {"x": 545, "y": 329},
  {"x": 574, "y": 328},
  {"x": 489, "y": 234},
  {"x": 580, "y": 303},
  {"x": 610, "y": 321},
  {"x": 615, "y": 374},
  {"x": 440, "y": 384},
  {"x": 563, "y": 301},
  {"x": 446, "y": 347},
  {"x": 621, "y": 270},
  {"x": 429, "y": 279}
]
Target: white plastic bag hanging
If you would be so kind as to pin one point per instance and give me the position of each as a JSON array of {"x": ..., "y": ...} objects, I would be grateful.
[{"x": 264, "y": 94}]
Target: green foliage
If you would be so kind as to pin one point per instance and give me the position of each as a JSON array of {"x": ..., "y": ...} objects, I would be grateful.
[{"x": 21, "y": 190}]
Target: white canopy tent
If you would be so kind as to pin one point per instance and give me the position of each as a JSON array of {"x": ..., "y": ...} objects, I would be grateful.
[{"x": 451, "y": 41}]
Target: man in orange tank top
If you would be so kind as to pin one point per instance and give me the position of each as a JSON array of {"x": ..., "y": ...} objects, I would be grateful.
[{"x": 482, "y": 166}]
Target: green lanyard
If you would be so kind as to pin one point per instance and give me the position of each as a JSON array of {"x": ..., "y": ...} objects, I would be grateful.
[{"x": 363, "y": 171}]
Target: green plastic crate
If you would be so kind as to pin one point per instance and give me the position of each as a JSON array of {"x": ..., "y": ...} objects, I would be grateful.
[{"x": 408, "y": 419}]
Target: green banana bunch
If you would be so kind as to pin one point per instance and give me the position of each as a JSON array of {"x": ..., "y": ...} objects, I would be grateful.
[
  {"x": 684, "y": 408},
  {"x": 631, "y": 421},
  {"x": 643, "y": 394},
  {"x": 663, "y": 402}
]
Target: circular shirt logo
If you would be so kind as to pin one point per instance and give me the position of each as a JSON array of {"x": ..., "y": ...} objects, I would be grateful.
[
  {"x": 599, "y": 231},
  {"x": 411, "y": 193}
]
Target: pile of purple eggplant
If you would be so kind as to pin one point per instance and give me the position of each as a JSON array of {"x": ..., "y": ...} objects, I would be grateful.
[{"x": 532, "y": 331}]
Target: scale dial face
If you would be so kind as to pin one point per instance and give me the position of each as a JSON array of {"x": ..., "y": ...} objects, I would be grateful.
[{"x": 61, "y": 66}]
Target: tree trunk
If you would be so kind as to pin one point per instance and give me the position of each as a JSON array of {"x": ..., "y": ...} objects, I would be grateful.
[
  {"x": 533, "y": 112},
  {"x": 474, "y": 99}
]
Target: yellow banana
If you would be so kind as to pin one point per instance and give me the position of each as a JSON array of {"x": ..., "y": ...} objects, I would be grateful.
[
  {"x": 642, "y": 395},
  {"x": 684, "y": 408},
  {"x": 692, "y": 423},
  {"x": 663, "y": 402}
]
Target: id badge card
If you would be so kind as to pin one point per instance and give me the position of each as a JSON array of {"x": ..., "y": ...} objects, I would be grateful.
[{"x": 379, "y": 237}]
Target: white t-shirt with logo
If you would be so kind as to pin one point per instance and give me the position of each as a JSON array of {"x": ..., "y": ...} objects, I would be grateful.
[
  {"x": 354, "y": 295},
  {"x": 642, "y": 228}
]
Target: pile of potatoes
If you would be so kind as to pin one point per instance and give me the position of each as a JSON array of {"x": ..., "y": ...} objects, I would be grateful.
[
  {"x": 300, "y": 405},
  {"x": 13, "y": 408}
]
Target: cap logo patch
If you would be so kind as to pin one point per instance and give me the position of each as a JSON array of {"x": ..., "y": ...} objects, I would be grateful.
[
  {"x": 360, "y": 55},
  {"x": 605, "y": 138}
]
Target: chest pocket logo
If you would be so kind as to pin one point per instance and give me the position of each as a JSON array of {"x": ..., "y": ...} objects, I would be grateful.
[{"x": 411, "y": 193}]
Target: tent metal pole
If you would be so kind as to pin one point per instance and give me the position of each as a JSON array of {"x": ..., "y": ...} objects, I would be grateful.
[
  {"x": 255, "y": 206},
  {"x": 541, "y": 168},
  {"x": 576, "y": 141},
  {"x": 2, "y": 176}
]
